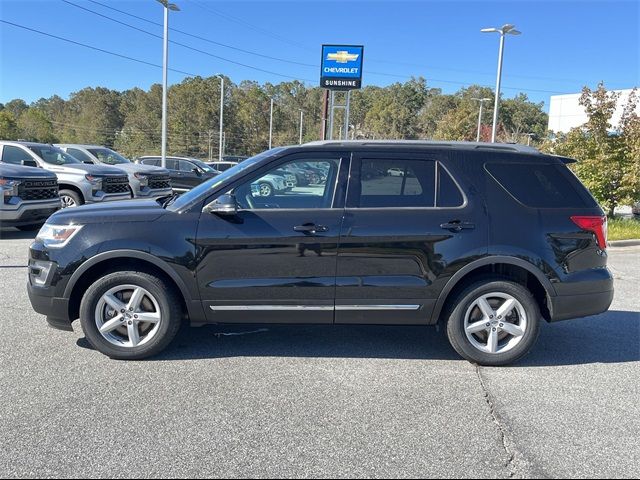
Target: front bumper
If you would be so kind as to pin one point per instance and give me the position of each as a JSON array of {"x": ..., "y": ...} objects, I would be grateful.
[
  {"x": 56, "y": 309},
  {"x": 146, "y": 192},
  {"x": 28, "y": 213},
  {"x": 108, "y": 197}
]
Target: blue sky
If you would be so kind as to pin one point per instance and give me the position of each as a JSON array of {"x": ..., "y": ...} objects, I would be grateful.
[{"x": 564, "y": 44}]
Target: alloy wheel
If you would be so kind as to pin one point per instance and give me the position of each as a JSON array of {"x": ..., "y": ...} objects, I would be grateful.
[
  {"x": 495, "y": 323},
  {"x": 128, "y": 316}
]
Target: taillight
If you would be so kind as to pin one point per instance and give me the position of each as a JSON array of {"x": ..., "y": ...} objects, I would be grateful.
[{"x": 596, "y": 224}]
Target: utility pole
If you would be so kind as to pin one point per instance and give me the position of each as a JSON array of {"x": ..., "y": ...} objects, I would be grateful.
[
  {"x": 271, "y": 123},
  {"x": 481, "y": 100},
  {"x": 301, "y": 116},
  {"x": 221, "y": 146}
]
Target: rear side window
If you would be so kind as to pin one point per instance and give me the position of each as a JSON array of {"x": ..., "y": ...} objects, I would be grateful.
[
  {"x": 539, "y": 185},
  {"x": 151, "y": 161},
  {"x": 448, "y": 193},
  {"x": 397, "y": 183},
  {"x": 15, "y": 155}
]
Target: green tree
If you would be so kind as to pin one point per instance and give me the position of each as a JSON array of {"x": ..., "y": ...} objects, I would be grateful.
[
  {"x": 607, "y": 160},
  {"x": 34, "y": 125},
  {"x": 8, "y": 126}
]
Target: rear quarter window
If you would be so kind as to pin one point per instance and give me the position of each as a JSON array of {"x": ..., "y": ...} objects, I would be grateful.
[{"x": 540, "y": 185}]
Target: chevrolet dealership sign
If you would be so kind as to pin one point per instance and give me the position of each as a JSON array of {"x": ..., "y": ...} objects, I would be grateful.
[{"x": 341, "y": 67}]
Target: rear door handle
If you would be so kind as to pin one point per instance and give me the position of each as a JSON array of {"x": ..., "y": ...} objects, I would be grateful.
[
  {"x": 457, "y": 225},
  {"x": 311, "y": 228}
]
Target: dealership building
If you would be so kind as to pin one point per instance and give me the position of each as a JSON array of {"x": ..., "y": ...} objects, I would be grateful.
[{"x": 565, "y": 111}]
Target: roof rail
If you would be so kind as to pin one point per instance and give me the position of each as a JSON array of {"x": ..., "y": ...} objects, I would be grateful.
[{"x": 511, "y": 147}]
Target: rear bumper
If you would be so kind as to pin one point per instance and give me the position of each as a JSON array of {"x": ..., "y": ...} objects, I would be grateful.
[{"x": 590, "y": 293}]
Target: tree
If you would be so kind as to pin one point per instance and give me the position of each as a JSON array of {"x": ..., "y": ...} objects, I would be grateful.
[
  {"x": 607, "y": 160},
  {"x": 8, "y": 126},
  {"x": 34, "y": 125}
]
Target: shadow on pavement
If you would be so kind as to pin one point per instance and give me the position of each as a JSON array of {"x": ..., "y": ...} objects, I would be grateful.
[
  {"x": 15, "y": 234},
  {"x": 613, "y": 337}
]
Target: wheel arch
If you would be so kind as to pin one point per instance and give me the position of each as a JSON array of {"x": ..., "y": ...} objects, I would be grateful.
[
  {"x": 131, "y": 260},
  {"x": 512, "y": 268}
]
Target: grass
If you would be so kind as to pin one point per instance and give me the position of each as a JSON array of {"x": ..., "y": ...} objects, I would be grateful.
[{"x": 623, "y": 229}]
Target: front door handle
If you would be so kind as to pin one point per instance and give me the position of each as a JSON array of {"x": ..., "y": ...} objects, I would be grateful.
[
  {"x": 311, "y": 228},
  {"x": 457, "y": 225}
]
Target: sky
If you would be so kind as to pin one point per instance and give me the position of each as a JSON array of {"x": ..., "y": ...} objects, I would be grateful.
[{"x": 564, "y": 44}]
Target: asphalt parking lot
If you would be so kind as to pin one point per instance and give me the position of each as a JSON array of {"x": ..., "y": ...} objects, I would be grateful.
[{"x": 319, "y": 401}]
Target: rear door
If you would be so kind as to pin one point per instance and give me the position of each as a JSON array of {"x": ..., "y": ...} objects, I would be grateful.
[{"x": 407, "y": 224}]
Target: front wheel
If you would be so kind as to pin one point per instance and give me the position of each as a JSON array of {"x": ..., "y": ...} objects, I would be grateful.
[
  {"x": 265, "y": 189},
  {"x": 130, "y": 315},
  {"x": 70, "y": 198},
  {"x": 493, "y": 322}
]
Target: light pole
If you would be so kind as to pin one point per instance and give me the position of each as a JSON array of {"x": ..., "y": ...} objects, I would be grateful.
[
  {"x": 165, "y": 60},
  {"x": 481, "y": 100},
  {"x": 507, "y": 29},
  {"x": 220, "y": 147},
  {"x": 271, "y": 123},
  {"x": 301, "y": 116},
  {"x": 529, "y": 135}
]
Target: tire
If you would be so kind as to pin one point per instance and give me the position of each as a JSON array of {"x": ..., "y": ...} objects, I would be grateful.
[
  {"x": 265, "y": 189},
  {"x": 466, "y": 314},
  {"x": 70, "y": 199},
  {"x": 30, "y": 228},
  {"x": 159, "y": 301}
]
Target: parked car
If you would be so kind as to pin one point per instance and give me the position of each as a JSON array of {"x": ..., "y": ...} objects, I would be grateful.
[
  {"x": 222, "y": 166},
  {"x": 28, "y": 196},
  {"x": 185, "y": 172},
  {"x": 79, "y": 183},
  {"x": 487, "y": 239},
  {"x": 269, "y": 185},
  {"x": 144, "y": 180}
]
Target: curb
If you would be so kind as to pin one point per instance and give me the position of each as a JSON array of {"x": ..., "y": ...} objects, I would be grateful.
[{"x": 625, "y": 243}]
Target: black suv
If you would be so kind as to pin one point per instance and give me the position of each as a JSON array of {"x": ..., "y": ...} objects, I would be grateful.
[
  {"x": 185, "y": 172},
  {"x": 488, "y": 239}
]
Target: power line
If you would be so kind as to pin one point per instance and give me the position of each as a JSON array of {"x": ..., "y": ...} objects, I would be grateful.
[
  {"x": 204, "y": 39},
  {"x": 94, "y": 48},
  {"x": 188, "y": 46}
]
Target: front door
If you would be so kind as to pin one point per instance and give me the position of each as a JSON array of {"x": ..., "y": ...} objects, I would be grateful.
[
  {"x": 406, "y": 220},
  {"x": 275, "y": 260}
]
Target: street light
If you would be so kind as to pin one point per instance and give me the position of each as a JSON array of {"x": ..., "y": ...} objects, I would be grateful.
[
  {"x": 220, "y": 147},
  {"x": 507, "y": 29},
  {"x": 165, "y": 60},
  {"x": 481, "y": 100},
  {"x": 271, "y": 123}
]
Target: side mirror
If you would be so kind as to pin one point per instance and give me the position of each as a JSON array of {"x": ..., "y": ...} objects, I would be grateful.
[
  {"x": 197, "y": 171},
  {"x": 223, "y": 205},
  {"x": 29, "y": 163}
]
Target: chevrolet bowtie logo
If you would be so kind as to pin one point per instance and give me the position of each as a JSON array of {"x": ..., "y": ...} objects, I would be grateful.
[{"x": 343, "y": 56}]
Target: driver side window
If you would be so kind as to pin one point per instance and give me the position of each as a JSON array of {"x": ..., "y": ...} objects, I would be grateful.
[{"x": 297, "y": 184}]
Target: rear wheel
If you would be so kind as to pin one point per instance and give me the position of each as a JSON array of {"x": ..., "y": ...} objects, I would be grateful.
[
  {"x": 130, "y": 315},
  {"x": 70, "y": 198},
  {"x": 493, "y": 322},
  {"x": 266, "y": 190}
]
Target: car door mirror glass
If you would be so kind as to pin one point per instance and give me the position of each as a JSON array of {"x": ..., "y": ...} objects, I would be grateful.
[{"x": 223, "y": 205}]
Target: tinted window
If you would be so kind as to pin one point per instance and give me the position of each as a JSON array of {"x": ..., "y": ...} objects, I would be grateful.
[
  {"x": 108, "y": 156},
  {"x": 171, "y": 164},
  {"x": 53, "y": 155},
  {"x": 185, "y": 166},
  {"x": 15, "y": 155},
  {"x": 449, "y": 195},
  {"x": 396, "y": 183},
  {"x": 537, "y": 185},
  {"x": 79, "y": 155},
  {"x": 279, "y": 189}
]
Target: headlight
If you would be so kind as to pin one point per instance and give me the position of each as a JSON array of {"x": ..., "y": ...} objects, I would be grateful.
[
  {"x": 142, "y": 178},
  {"x": 57, "y": 236},
  {"x": 8, "y": 187},
  {"x": 96, "y": 182}
]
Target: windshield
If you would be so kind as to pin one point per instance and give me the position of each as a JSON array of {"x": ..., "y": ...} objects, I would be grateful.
[
  {"x": 53, "y": 155},
  {"x": 105, "y": 155},
  {"x": 202, "y": 165},
  {"x": 192, "y": 195}
]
